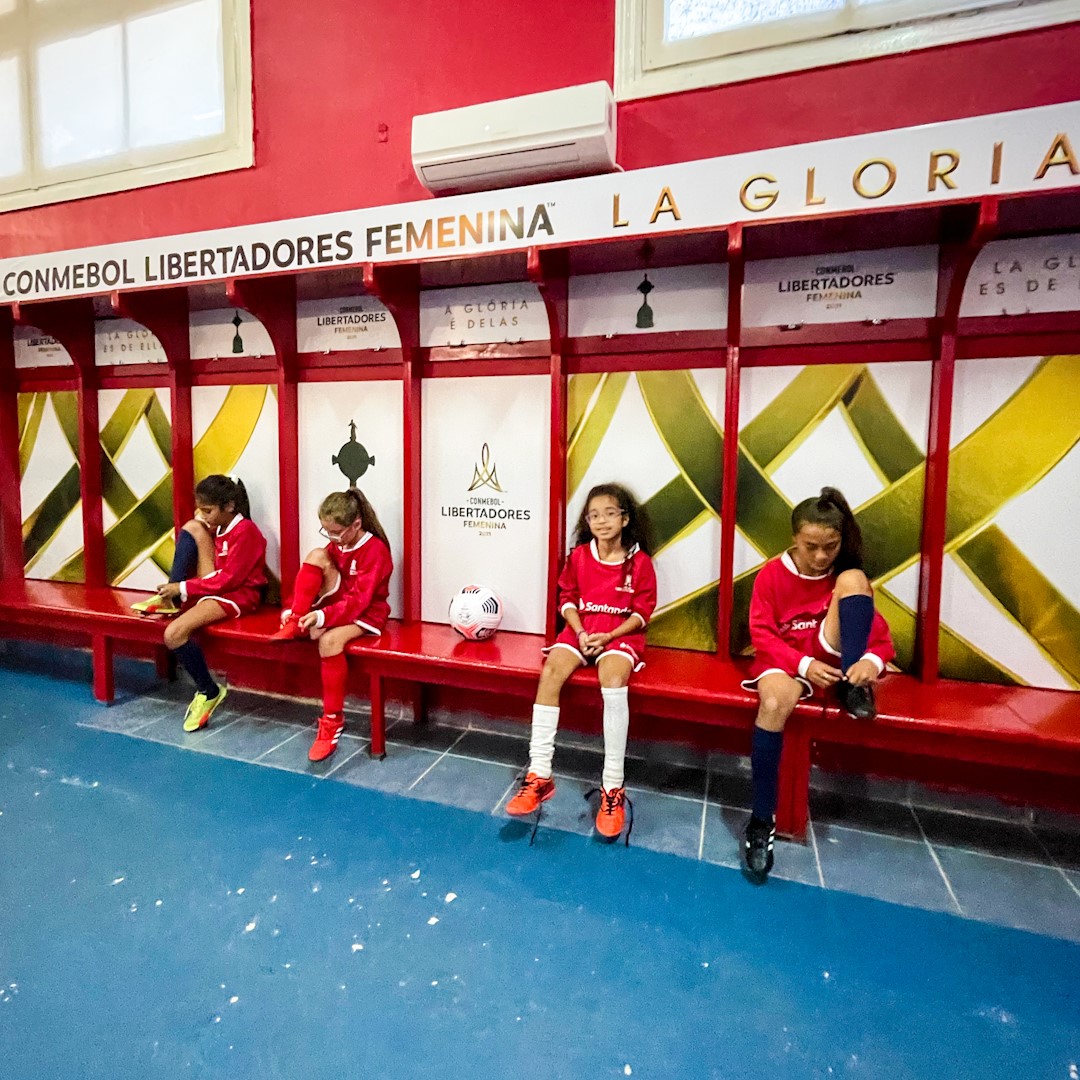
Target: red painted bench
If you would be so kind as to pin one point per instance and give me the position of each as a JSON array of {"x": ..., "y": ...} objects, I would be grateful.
[{"x": 1017, "y": 728}]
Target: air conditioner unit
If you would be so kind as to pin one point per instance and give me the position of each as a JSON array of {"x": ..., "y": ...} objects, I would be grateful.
[{"x": 522, "y": 140}]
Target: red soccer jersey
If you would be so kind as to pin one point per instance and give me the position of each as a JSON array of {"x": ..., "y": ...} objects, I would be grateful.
[
  {"x": 786, "y": 612},
  {"x": 606, "y": 594},
  {"x": 239, "y": 561},
  {"x": 361, "y": 598}
]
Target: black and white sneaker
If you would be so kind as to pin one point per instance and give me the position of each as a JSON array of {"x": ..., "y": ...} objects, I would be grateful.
[
  {"x": 857, "y": 701},
  {"x": 758, "y": 849}
]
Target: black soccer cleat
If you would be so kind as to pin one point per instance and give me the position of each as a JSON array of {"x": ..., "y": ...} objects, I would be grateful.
[
  {"x": 857, "y": 701},
  {"x": 758, "y": 849}
]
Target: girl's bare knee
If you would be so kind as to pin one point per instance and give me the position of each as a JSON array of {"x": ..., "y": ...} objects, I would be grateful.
[{"x": 852, "y": 583}]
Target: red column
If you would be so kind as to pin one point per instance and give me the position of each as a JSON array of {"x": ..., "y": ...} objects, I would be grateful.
[{"x": 11, "y": 563}]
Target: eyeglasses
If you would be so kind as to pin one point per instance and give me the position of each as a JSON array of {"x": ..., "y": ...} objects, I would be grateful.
[
  {"x": 604, "y": 515},
  {"x": 336, "y": 538}
]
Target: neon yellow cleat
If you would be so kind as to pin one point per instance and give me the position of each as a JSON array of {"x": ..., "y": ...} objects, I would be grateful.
[
  {"x": 156, "y": 605},
  {"x": 201, "y": 709}
]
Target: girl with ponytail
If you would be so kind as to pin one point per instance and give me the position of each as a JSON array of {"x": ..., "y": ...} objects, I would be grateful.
[
  {"x": 218, "y": 572},
  {"x": 814, "y": 629},
  {"x": 340, "y": 593}
]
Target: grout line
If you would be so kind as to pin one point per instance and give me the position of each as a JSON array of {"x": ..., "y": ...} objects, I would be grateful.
[
  {"x": 502, "y": 798},
  {"x": 437, "y": 760},
  {"x": 817, "y": 855},
  {"x": 1055, "y": 864},
  {"x": 266, "y": 753},
  {"x": 704, "y": 813},
  {"x": 937, "y": 863},
  {"x": 337, "y": 765}
]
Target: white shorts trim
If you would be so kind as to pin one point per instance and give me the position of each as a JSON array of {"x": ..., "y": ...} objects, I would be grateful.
[
  {"x": 370, "y": 629},
  {"x": 808, "y": 687},
  {"x": 221, "y": 600},
  {"x": 635, "y": 663},
  {"x": 563, "y": 645},
  {"x": 823, "y": 643},
  {"x": 327, "y": 593}
]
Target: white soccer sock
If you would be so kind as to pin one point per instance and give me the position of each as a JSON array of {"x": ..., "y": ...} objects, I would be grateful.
[
  {"x": 545, "y": 723},
  {"x": 616, "y": 725}
]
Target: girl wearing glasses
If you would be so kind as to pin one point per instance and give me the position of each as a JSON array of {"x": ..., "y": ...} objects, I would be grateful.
[
  {"x": 607, "y": 592},
  {"x": 218, "y": 572},
  {"x": 340, "y": 593}
]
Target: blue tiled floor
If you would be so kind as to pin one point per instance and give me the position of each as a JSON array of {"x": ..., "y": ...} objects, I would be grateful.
[{"x": 971, "y": 856}]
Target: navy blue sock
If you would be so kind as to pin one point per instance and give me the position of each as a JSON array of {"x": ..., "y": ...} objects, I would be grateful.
[
  {"x": 856, "y": 618},
  {"x": 765, "y": 767},
  {"x": 185, "y": 561},
  {"x": 191, "y": 656}
]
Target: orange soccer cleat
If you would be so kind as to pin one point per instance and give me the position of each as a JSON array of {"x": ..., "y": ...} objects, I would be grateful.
[
  {"x": 330, "y": 729},
  {"x": 289, "y": 630},
  {"x": 533, "y": 791},
  {"x": 611, "y": 816}
]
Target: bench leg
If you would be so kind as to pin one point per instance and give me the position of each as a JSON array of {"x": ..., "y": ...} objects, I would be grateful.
[
  {"x": 792, "y": 811},
  {"x": 103, "y": 668},
  {"x": 417, "y": 703},
  {"x": 165, "y": 664},
  {"x": 377, "y": 749}
]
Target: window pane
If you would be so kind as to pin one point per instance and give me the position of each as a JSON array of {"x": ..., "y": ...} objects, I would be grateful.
[
  {"x": 697, "y": 18},
  {"x": 175, "y": 84},
  {"x": 11, "y": 129},
  {"x": 81, "y": 97}
]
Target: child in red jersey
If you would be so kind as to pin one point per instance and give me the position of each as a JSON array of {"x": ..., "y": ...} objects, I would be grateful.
[
  {"x": 814, "y": 628},
  {"x": 607, "y": 592},
  {"x": 219, "y": 572},
  {"x": 340, "y": 593}
]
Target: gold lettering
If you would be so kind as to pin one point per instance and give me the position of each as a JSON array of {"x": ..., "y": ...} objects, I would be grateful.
[
  {"x": 616, "y": 221},
  {"x": 665, "y": 205},
  {"x": 444, "y": 230},
  {"x": 1060, "y": 153},
  {"x": 995, "y": 165},
  {"x": 811, "y": 198},
  {"x": 421, "y": 239},
  {"x": 937, "y": 172},
  {"x": 857, "y": 179},
  {"x": 762, "y": 200},
  {"x": 475, "y": 229}
]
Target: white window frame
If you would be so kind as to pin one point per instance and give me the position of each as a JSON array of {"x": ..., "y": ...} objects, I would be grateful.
[
  {"x": 646, "y": 65},
  {"x": 231, "y": 149}
]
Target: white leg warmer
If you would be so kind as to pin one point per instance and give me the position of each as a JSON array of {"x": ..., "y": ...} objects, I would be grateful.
[
  {"x": 545, "y": 723},
  {"x": 616, "y": 725}
]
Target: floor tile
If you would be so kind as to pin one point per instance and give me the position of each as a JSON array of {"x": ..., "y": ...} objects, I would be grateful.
[
  {"x": 566, "y": 810},
  {"x": 424, "y": 736},
  {"x": 887, "y": 867},
  {"x": 1063, "y": 847},
  {"x": 401, "y": 766},
  {"x": 964, "y": 802},
  {"x": 730, "y": 789},
  {"x": 170, "y": 728},
  {"x": 892, "y": 819},
  {"x": 1074, "y": 878},
  {"x": 858, "y": 786},
  {"x": 724, "y": 828},
  {"x": 131, "y": 716},
  {"x": 249, "y": 738},
  {"x": 492, "y": 746},
  {"x": 655, "y": 774},
  {"x": 466, "y": 783},
  {"x": 1054, "y": 819},
  {"x": 665, "y": 822},
  {"x": 1008, "y": 839},
  {"x": 1012, "y": 893},
  {"x": 291, "y": 753}
]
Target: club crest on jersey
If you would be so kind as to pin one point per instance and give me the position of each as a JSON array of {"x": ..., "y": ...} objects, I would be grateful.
[
  {"x": 224, "y": 547},
  {"x": 628, "y": 581},
  {"x": 352, "y": 570}
]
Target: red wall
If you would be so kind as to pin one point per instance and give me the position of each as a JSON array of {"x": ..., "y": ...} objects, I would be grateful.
[{"x": 328, "y": 75}]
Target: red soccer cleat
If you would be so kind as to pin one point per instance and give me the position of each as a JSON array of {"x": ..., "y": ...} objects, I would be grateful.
[
  {"x": 330, "y": 729},
  {"x": 611, "y": 817},
  {"x": 290, "y": 630},
  {"x": 534, "y": 791}
]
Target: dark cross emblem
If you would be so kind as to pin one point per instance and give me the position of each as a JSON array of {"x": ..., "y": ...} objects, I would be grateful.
[
  {"x": 352, "y": 459},
  {"x": 237, "y": 341},
  {"x": 645, "y": 313}
]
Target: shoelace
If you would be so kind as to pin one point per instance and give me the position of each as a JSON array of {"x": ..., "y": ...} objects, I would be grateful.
[
  {"x": 532, "y": 785},
  {"x": 609, "y": 801}
]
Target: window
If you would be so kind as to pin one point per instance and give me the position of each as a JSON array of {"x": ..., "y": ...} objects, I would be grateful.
[
  {"x": 664, "y": 46},
  {"x": 117, "y": 94}
]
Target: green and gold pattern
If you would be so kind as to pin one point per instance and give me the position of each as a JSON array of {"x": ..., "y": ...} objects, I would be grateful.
[{"x": 49, "y": 467}]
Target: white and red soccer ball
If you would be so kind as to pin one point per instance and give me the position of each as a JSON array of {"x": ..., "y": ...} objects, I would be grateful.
[{"x": 475, "y": 612}]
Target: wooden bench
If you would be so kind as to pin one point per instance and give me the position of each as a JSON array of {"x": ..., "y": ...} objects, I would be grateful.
[{"x": 1015, "y": 728}]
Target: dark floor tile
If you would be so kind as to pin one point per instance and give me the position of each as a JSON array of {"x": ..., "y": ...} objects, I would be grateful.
[
  {"x": 886, "y": 867},
  {"x": 1063, "y": 847},
  {"x": 396, "y": 772},
  {"x": 170, "y": 728},
  {"x": 131, "y": 716},
  {"x": 835, "y": 808},
  {"x": 670, "y": 778},
  {"x": 489, "y": 746},
  {"x": 964, "y": 802},
  {"x": 1056, "y": 820},
  {"x": 291, "y": 753},
  {"x": 246, "y": 740},
  {"x": 1012, "y": 893},
  {"x": 730, "y": 789},
  {"x": 724, "y": 829},
  {"x": 664, "y": 822},
  {"x": 583, "y": 763},
  {"x": 424, "y": 736},
  {"x": 857, "y": 785},
  {"x": 465, "y": 783},
  {"x": 988, "y": 836}
]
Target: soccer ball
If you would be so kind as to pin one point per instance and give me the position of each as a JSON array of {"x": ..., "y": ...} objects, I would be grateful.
[{"x": 475, "y": 612}]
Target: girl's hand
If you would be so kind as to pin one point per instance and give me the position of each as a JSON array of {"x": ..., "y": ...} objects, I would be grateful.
[
  {"x": 596, "y": 643},
  {"x": 170, "y": 590},
  {"x": 310, "y": 621},
  {"x": 862, "y": 673},
  {"x": 821, "y": 674}
]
